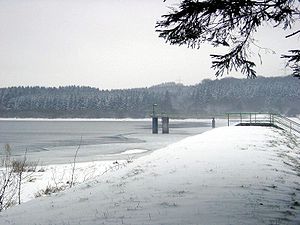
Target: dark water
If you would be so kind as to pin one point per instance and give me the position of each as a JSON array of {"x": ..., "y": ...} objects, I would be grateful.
[{"x": 52, "y": 141}]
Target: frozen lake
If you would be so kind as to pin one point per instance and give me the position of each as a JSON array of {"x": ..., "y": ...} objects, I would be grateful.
[{"x": 55, "y": 141}]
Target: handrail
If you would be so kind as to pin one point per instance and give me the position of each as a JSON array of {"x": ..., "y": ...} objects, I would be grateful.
[
  {"x": 286, "y": 123},
  {"x": 266, "y": 119},
  {"x": 285, "y": 118}
]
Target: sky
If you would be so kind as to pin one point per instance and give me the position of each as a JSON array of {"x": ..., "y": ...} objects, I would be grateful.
[{"x": 107, "y": 44}]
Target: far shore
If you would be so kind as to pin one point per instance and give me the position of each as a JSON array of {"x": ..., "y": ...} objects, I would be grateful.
[{"x": 100, "y": 119}]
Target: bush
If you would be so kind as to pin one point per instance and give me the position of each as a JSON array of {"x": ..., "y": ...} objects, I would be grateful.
[{"x": 49, "y": 190}]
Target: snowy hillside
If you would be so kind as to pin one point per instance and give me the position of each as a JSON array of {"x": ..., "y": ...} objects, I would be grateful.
[{"x": 230, "y": 175}]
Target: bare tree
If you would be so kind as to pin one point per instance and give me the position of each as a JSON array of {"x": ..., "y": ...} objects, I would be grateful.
[
  {"x": 7, "y": 190},
  {"x": 74, "y": 163},
  {"x": 230, "y": 23},
  {"x": 19, "y": 167},
  {"x": 12, "y": 176}
]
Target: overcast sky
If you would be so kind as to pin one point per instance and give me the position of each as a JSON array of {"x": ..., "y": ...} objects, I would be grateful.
[{"x": 105, "y": 44}]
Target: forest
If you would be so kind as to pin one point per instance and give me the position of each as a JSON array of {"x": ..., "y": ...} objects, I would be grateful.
[{"x": 208, "y": 98}]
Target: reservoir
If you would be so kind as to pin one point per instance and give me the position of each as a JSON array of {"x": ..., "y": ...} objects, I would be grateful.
[{"x": 55, "y": 141}]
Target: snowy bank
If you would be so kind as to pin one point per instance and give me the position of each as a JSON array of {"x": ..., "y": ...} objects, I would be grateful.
[
  {"x": 230, "y": 175},
  {"x": 59, "y": 176}
]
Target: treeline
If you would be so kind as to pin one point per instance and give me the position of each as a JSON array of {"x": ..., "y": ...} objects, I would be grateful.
[{"x": 279, "y": 94}]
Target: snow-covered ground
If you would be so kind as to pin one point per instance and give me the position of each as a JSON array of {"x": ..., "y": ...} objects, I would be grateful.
[
  {"x": 59, "y": 176},
  {"x": 229, "y": 175}
]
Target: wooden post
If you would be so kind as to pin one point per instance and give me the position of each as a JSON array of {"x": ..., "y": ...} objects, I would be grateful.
[
  {"x": 165, "y": 125},
  {"x": 154, "y": 125}
]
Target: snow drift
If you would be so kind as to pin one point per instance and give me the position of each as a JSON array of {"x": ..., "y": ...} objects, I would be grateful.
[{"x": 230, "y": 175}]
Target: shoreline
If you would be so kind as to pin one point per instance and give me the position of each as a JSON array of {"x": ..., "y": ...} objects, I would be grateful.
[{"x": 102, "y": 119}]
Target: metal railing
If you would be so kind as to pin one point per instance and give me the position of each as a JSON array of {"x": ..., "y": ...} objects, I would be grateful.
[
  {"x": 262, "y": 119},
  {"x": 286, "y": 123}
]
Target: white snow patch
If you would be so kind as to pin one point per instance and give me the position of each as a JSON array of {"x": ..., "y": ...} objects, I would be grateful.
[{"x": 133, "y": 151}]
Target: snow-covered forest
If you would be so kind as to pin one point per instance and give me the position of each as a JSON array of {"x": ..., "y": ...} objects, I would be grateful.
[{"x": 210, "y": 97}]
